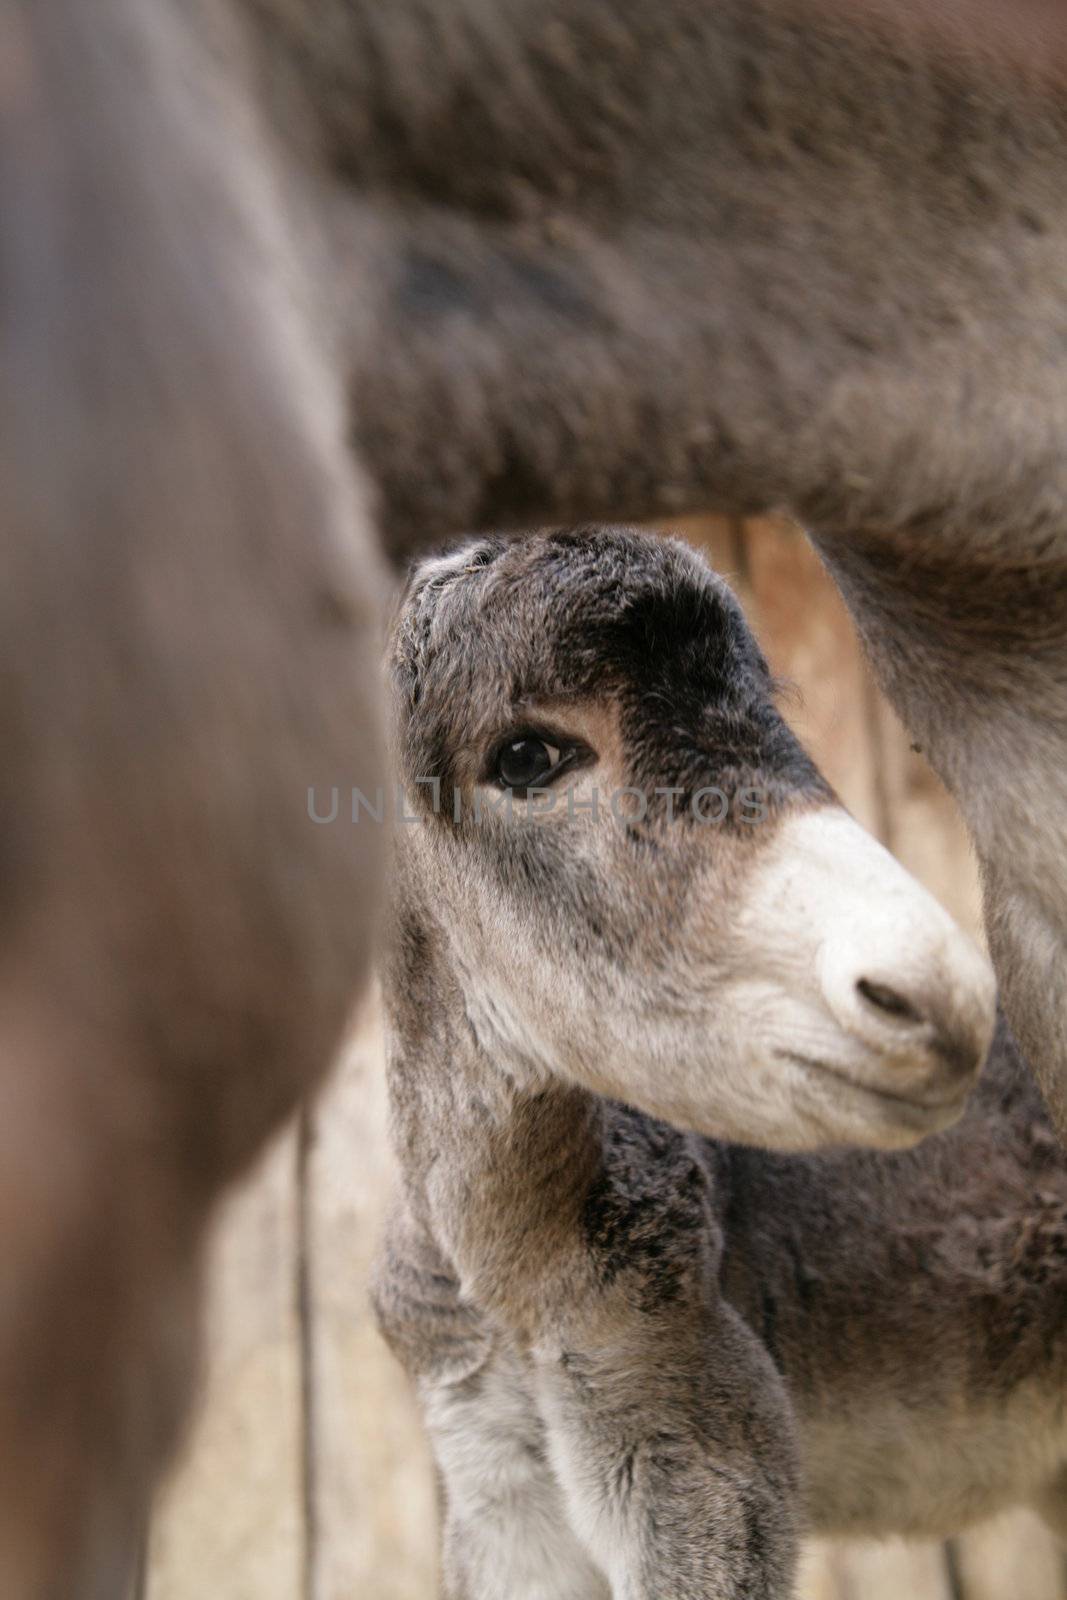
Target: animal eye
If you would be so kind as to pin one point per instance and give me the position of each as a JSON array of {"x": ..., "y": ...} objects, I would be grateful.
[{"x": 525, "y": 762}]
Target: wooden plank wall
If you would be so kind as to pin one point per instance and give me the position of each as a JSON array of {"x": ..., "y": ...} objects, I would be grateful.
[{"x": 306, "y": 1477}]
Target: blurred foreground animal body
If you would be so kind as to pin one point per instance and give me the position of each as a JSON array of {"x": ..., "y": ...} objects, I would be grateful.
[
  {"x": 651, "y": 1352},
  {"x": 282, "y": 284}
]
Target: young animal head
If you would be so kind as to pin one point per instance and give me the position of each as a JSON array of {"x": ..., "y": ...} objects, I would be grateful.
[{"x": 642, "y": 883}]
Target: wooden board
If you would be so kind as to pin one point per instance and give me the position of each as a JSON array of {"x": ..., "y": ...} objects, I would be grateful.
[
  {"x": 231, "y": 1524},
  {"x": 373, "y": 1494}
]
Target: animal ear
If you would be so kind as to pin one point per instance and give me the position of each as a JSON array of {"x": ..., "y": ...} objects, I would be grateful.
[
  {"x": 426, "y": 582},
  {"x": 407, "y": 641},
  {"x": 436, "y": 573}
]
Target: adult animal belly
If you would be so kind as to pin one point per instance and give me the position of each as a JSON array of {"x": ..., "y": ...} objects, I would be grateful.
[{"x": 889, "y": 1467}]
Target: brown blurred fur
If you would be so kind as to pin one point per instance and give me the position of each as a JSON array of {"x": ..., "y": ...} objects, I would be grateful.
[{"x": 187, "y": 638}]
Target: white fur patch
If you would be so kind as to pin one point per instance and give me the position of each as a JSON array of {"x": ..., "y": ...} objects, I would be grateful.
[{"x": 507, "y": 1531}]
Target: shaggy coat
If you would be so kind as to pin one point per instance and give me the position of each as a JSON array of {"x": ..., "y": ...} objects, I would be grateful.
[{"x": 648, "y": 1358}]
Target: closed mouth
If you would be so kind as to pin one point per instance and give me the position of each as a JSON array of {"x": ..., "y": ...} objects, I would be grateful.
[{"x": 911, "y": 1101}]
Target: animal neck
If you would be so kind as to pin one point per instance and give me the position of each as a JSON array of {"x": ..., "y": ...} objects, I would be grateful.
[{"x": 496, "y": 1166}]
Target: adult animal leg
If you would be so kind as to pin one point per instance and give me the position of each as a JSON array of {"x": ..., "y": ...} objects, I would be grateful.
[
  {"x": 972, "y": 650},
  {"x": 1052, "y": 1506}
]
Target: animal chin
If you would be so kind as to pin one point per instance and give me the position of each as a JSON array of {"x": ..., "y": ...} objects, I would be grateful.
[{"x": 908, "y": 1113}]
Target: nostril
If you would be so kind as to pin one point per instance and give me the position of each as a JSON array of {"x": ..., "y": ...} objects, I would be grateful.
[{"x": 882, "y": 998}]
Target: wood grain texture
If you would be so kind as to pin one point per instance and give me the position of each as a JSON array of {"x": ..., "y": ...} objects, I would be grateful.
[
  {"x": 308, "y": 1477},
  {"x": 374, "y": 1505},
  {"x": 890, "y": 1571},
  {"x": 1011, "y": 1558}
]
